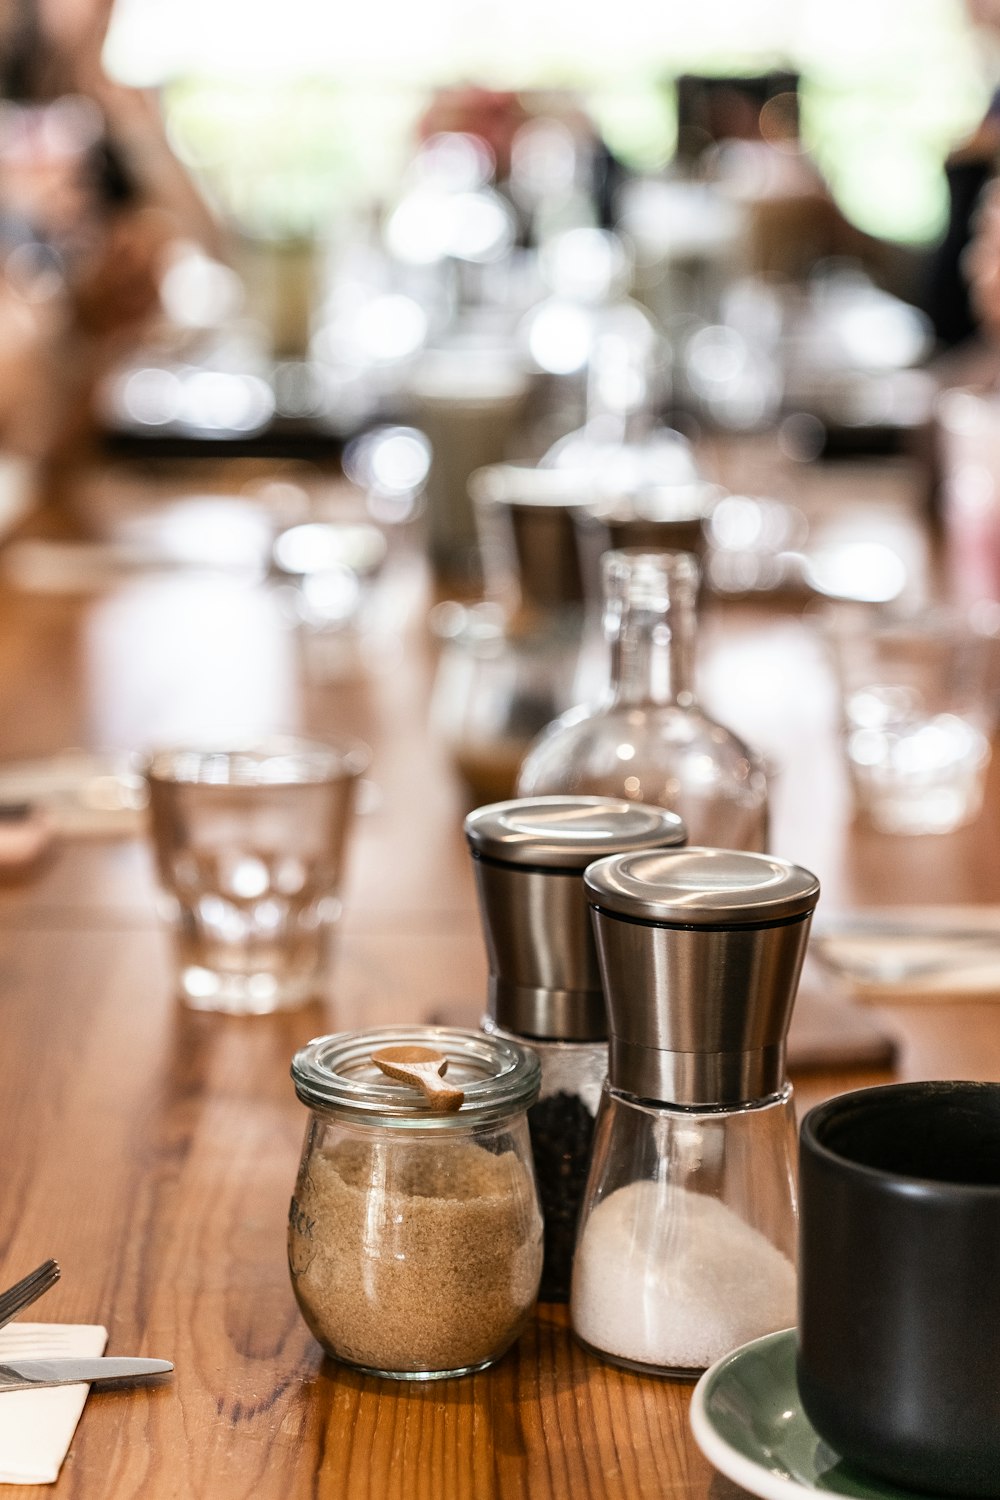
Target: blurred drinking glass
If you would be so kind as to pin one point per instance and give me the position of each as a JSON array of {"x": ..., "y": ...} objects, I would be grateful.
[
  {"x": 250, "y": 845},
  {"x": 918, "y": 707}
]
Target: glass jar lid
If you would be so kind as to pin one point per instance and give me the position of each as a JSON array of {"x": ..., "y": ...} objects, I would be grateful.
[
  {"x": 701, "y": 887},
  {"x": 336, "y": 1075},
  {"x": 568, "y": 833}
]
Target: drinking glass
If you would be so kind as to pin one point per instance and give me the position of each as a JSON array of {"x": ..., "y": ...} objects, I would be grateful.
[
  {"x": 249, "y": 845},
  {"x": 918, "y": 699}
]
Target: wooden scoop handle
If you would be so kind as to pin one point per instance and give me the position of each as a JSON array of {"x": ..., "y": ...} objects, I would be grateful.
[{"x": 422, "y": 1068}]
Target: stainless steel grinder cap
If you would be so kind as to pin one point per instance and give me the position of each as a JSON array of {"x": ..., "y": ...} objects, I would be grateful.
[
  {"x": 700, "y": 952},
  {"x": 529, "y": 857}
]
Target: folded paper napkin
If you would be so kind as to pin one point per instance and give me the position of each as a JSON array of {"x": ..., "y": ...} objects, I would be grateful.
[
  {"x": 84, "y": 795},
  {"x": 37, "y": 1427},
  {"x": 913, "y": 953}
]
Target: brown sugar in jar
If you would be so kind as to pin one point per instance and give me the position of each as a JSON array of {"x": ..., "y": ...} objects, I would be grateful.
[{"x": 415, "y": 1238}]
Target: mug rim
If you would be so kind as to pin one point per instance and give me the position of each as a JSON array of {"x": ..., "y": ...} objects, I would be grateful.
[{"x": 893, "y": 1179}]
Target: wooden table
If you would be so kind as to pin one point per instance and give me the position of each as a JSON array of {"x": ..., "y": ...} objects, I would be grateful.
[{"x": 153, "y": 1150}]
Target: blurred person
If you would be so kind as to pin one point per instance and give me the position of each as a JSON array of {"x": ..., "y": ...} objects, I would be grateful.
[
  {"x": 980, "y": 272},
  {"x": 492, "y": 115},
  {"x": 743, "y": 131},
  {"x": 959, "y": 293},
  {"x": 92, "y": 200},
  {"x": 498, "y": 117}
]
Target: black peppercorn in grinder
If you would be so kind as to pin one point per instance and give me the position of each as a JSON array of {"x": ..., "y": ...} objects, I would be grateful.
[{"x": 545, "y": 987}]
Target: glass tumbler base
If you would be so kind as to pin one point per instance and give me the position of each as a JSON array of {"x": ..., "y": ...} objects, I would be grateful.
[{"x": 252, "y": 994}]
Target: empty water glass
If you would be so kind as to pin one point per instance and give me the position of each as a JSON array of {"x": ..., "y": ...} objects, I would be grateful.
[
  {"x": 918, "y": 707},
  {"x": 249, "y": 846}
]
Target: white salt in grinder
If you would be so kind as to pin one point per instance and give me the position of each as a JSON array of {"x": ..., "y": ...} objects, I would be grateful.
[
  {"x": 687, "y": 1237},
  {"x": 529, "y": 857}
]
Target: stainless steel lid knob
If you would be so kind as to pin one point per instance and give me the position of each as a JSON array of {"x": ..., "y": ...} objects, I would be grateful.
[
  {"x": 700, "y": 952},
  {"x": 529, "y": 857}
]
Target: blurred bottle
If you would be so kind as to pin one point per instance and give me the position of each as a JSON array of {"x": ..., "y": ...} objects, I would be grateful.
[
  {"x": 508, "y": 666},
  {"x": 649, "y": 741}
]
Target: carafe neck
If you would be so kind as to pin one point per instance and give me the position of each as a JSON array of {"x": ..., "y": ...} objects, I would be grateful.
[{"x": 649, "y": 621}]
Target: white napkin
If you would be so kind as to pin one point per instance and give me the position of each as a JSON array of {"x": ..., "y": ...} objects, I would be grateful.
[
  {"x": 37, "y": 1427},
  {"x": 912, "y": 953}
]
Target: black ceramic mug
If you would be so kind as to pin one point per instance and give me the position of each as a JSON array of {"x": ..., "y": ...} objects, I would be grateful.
[{"x": 899, "y": 1282}]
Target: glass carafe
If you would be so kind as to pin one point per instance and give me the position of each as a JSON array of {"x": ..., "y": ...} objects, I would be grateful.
[{"x": 648, "y": 740}]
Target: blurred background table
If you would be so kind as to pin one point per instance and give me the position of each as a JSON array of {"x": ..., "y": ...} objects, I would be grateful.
[{"x": 153, "y": 1150}]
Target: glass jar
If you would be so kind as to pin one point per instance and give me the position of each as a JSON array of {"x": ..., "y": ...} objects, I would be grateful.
[
  {"x": 648, "y": 740},
  {"x": 415, "y": 1236}
]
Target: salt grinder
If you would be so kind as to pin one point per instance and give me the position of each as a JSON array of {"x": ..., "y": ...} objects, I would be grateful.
[
  {"x": 687, "y": 1231},
  {"x": 544, "y": 987}
]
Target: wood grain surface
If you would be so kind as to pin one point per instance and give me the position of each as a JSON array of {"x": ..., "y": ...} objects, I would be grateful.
[{"x": 153, "y": 1150}]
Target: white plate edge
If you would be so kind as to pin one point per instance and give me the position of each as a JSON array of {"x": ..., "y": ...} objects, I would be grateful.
[{"x": 742, "y": 1471}]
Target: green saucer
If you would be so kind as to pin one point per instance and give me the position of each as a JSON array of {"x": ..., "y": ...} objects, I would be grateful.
[{"x": 748, "y": 1421}]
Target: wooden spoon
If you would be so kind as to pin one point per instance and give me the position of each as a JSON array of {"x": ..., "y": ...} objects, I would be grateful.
[{"x": 422, "y": 1068}]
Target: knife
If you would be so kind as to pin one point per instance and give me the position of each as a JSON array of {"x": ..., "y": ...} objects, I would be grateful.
[{"x": 29, "y": 1374}]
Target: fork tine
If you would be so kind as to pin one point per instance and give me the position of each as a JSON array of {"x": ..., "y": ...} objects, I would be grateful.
[{"x": 28, "y": 1290}]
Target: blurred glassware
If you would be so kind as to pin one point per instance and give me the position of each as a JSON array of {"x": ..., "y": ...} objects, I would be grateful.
[
  {"x": 145, "y": 396},
  {"x": 733, "y": 369},
  {"x": 330, "y": 569},
  {"x": 492, "y": 690},
  {"x": 601, "y": 349},
  {"x": 759, "y": 545},
  {"x": 686, "y": 239},
  {"x": 250, "y": 844},
  {"x": 524, "y": 518},
  {"x": 755, "y": 544},
  {"x": 432, "y": 225},
  {"x": 347, "y": 565},
  {"x": 198, "y": 292},
  {"x": 853, "y": 356},
  {"x": 468, "y": 398},
  {"x": 655, "y": 517},
  {"x": 919, "y": 697},
  {"x": 390, "y": 464},
  {"x": 851, "y": 323},
  {"x": 510, "y": 664},
  {"x": 450, "y": 221},
  {"x": 550, "y": 178},
  {"x": 647, "y": 740},
  {"x": 368, "y": 334},
  {"x": 661, "y": 456},
  {"x": 869, "y": 572}
]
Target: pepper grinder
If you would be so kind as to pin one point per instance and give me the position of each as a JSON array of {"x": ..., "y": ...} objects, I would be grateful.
[
  {"x": 545, "y": 987},
  {"x": 687, "y": 1237}
]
